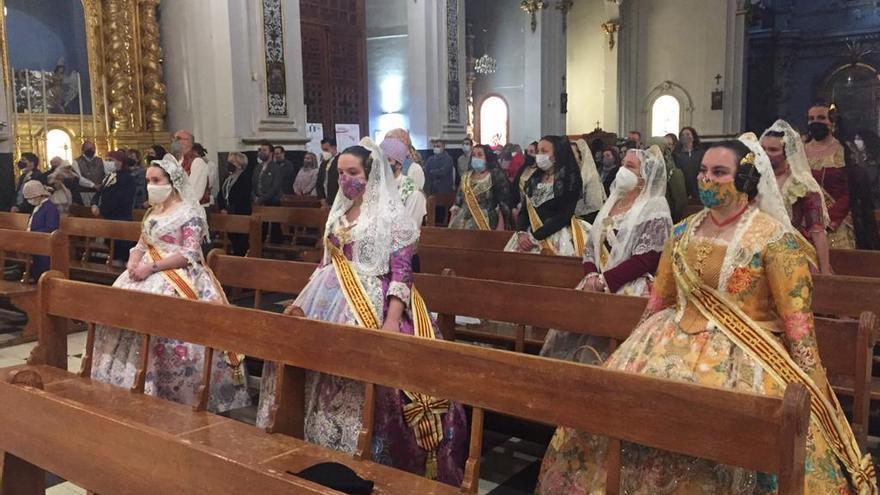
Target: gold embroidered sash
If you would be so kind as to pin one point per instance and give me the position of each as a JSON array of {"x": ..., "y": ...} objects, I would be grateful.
[
  {"x": 473, "y": 206},
  {"x": 423, "y": 412},
  {"x": 578, "y": 237},
  {"x": 185, "y": 288},
  {"x": 776, "y": 361}
]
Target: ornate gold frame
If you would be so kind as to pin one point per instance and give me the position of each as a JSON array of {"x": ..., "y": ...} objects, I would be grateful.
[{"x": 128, "y": 113}]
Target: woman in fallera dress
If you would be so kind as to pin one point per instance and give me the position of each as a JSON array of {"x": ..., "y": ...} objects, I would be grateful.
[
  {"x": 625, "y": 244},
  {"x": 367, "y": 260},
  {"x": 168, "y": 260},
  {"x": 730, "y": 308},
  {"x": 482, "y": 201},
  {"x": 550, "y": 191}
]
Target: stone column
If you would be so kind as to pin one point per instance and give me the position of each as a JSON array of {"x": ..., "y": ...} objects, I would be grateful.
[
  {"x": 544, "y": 79},
  {"x": 734, "y": 67},
  {"x": 437, "y": 79}
]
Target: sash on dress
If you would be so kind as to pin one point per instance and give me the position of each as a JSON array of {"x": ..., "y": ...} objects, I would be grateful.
[
  {"x": 423, "y": 413},
  {"x": 185, "y": 288},
  {"x": 746, "y": 334},
  {"x": 472, "y": 204}
]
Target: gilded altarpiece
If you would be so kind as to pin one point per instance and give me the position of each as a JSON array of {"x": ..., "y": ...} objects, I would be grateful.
[{"x": 125, "y": 101}]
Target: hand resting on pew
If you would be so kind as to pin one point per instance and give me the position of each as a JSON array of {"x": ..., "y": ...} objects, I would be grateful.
[{"x": 294, "y": 310}]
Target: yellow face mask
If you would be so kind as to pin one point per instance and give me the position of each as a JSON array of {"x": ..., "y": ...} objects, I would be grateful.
[{"x": 719, "y": 194}]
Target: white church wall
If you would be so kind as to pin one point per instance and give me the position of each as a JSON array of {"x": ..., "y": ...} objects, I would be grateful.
[
  {"x": 586, "y": 63},
  {"x": 686, "y": 42},
  {"x": 388, "y": 70}
]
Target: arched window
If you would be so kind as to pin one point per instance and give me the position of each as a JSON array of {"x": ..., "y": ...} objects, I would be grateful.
[
  {"x": 493, "y": 121},
  {"x": 665, "y": 116},
  {"x": 58, "y": 144}
]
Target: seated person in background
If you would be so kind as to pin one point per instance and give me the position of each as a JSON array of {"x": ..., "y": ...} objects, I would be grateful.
[
  {"x": 44, "y": 218},
  {"x": 483, "y": 198},
  {"x": 624, "y": 248},
  {"x": 801, "y": 194},
  {"x": 550, "y": 192}
]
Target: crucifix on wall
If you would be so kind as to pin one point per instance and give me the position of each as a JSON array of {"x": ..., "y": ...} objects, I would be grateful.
[{"x": 717, "y": 94}]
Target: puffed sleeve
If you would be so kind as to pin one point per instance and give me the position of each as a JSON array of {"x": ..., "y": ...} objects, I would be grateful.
[
  {"x": 401, "y": 274},
  {"x": 663, "y": 292},
  {"x": 191, "y": 234},
  {"x": 791, "y": 285}
]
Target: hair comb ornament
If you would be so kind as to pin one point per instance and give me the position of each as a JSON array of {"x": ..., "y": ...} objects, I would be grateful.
[{"x": 748, "y": 159}]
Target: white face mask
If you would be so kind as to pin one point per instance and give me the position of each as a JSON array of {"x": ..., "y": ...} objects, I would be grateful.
[
  {"x": 437, "y": 150},
  {"x": 543, "y": 161},
  {"x": 35, "y": 201},
  {"x": 325, "y": 155},
  {"x": 860, "y": 144},
  {"x": 158, "y": 194},
  {"x": 109, "y": 167},
  {"x": 625, "y": 180}
]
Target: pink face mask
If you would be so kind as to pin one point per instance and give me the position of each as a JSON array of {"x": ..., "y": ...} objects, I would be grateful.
[{"x": 352, "y": 187}]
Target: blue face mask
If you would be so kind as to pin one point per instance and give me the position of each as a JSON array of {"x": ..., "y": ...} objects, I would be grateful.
[
  {"x": 406, "y": 164},
  {"x": 478, "y": 164}
]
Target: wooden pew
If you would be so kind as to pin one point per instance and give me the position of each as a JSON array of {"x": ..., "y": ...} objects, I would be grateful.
[
  {"x": 21, "y": 294},
  {"x": 251, "y": 225},
  {"x": 845, "y": 346},
  {"x": 305, "y": 226},
  {"x": 13, "y": 221},
  {"x": 295, "y": 201},
  {"x": 82, "y": 266},
  {"x": 855, "y": 262},
  {"x": 50, "y": 416},
  {"x": 445, "y": 201}
]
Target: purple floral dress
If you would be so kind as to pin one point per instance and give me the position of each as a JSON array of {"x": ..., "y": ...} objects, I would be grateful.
[
  {"x": 174, "y": 367},
  {"x": 334, "y": 405}
]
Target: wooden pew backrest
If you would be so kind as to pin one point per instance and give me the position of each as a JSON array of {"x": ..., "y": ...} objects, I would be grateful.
[
  {"x": 240, "y": 224},
  {"x": 13, "y": 221},
  {"x": 756, "y": 432}
]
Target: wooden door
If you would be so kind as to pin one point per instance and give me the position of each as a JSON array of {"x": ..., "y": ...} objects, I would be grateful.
[{"x": 334, "y": 62}]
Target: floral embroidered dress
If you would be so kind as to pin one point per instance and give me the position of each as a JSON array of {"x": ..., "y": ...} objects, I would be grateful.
[
  {"x": 762, "y": 271},
  {"x": 334, "y": 405},
  {"x": 492, "y": 192},
  {"x": 174, "y": 368},
  {"x": 804, "y": 207}
]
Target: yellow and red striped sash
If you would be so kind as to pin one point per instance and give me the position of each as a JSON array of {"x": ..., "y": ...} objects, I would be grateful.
[
  {"x": 763, "y": 348},
  {"x": 472, "y": 204},
  {"x": 423, "y": 412}
]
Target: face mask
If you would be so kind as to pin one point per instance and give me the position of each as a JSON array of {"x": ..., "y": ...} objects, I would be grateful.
[
  {"x": 22, "y": 164},
  {"x": 860, "y": 144},
  {"x": 608, "y": 162},
  {"x": 718, "y": 194},
  {"x": 625, "y": 180},
  {"x": 437, "y": 150},
  {"x": 406, "y": 164},
  {"x": 109, "y": 167},
  {"x": 478, "y": 164},
  {"x": 89, "y": 153},
  {"x": 819, "y": 130},
  {"x": 263, "y": 156},
  {"x": 309, "y": 163},
  {"x": 231, "y": 168},
  {"x": 35, "y": 201},
  {"x": 466, "y": 148},
  {"x": 544, "y": 162},
  {"x": 325, "y": 155},
  {"x": 505, "y": 164},
  {"x": 175, "y": 147},
  {"x": 777, "y": 161},
  {"x": 352, "y": 187},
  {"x": 158, "y": 194},
  {"x": 686, "y": 139}
]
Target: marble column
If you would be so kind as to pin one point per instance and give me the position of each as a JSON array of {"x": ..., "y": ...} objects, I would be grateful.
[
  {"x": 544, "y": 78},
  {"x": 235, "y": 76},
  {"x": 436, "y": 61}
]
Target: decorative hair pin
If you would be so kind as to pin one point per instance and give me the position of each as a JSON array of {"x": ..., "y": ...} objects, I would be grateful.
[{"x": 748, "y": 159}]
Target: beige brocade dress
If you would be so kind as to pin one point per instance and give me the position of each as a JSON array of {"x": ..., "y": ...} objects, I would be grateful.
[{"x": 676, "y": 342}]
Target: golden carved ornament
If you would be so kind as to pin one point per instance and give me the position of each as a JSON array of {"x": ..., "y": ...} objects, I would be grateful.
[{"x": 151, "y": 56}]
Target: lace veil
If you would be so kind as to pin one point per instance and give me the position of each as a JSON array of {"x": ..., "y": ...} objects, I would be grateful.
[
  {"x": 383, "y": 226},
  {"x": 796, "y": 156},
  {"x": 180, "y": 183},
  {"x": 633, "y": 238},
  {"x": 769, "y": 198},
  {"x": 594, "y": 193}
]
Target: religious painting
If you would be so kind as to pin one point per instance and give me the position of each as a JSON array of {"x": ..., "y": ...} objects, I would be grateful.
[
  {"x": 48, "y": 56},
  {"x": 273, "y": 37}
]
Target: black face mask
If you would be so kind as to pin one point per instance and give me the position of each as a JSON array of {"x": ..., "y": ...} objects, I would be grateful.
[
  {"x": 231, "y": 168},
  {"x": 89, "y": 153},
  {"x": 819, "y": 130}
]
